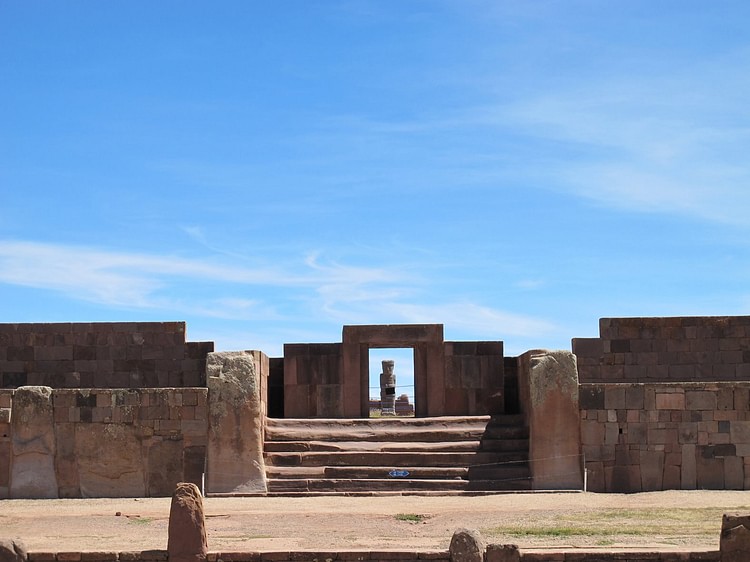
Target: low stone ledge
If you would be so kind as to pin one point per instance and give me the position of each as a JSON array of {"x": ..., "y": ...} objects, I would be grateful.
[
  {"x": 99, "y": 556},
  {"x": 42, "y": 556},
  {"x": 533, "y": 555}
]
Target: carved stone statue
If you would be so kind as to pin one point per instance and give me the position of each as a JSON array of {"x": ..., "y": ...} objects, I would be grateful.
[{"x": 388, "y": 389}]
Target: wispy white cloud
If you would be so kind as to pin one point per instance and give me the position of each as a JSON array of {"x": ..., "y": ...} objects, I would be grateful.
[
  {"x": 135, "y": 279},
  {"x": 335, "y": 292},
  {"x": 648, "y": 143}
]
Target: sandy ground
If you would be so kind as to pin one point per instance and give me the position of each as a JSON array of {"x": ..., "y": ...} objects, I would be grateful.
[{"x": 368, "y": 523}]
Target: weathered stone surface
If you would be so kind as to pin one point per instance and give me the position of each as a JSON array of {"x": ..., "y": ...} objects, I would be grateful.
[
  {"x": 548, "y": 386},
  {"x": 33, "y": 444},
  {"x": 187, "y": 525},
  {"x": 164, "y": 467},
  {"x": 735, "y": 538},
  {"x": 503, "y": 553},
  {"x": 12, "y": 550},
  {"x": 110, "y": 461},
  {"x": 234, "y": 458},
  {"x": 467, "y": 545}
]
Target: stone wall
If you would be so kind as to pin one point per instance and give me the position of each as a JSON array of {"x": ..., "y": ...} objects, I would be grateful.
[
  {"x": 709, "y": 348},
  {"x": 101, "y": 355},
  {"x": 101, "y": 442},
  {"x": 474, "y": 374},
  {"x": 313, "y": 381},
  {"x": 643, "y": 437}
]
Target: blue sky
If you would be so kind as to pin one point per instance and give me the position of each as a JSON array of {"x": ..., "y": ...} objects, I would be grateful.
[{"x": 269, "y": 172}]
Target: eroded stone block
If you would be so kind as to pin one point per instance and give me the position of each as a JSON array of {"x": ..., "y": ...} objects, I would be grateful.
[{"x": 33, "y": 444}]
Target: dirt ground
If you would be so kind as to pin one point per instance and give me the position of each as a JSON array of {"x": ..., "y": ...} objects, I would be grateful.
[{"x": 663, "y": 520}]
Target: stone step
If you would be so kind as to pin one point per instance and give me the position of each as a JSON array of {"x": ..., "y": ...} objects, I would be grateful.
[
  {"x": 463, "y": 428},
  {"x": 504, "y": 445},
  {"x": 391, "y": 485},
  {"x": 390, "y": 446},
  {"x": 486, "y": 445},
  {"x": 505, "y": 432},
  {"x": 390, "y": 459},
  {"x": 507, "y": 471}
]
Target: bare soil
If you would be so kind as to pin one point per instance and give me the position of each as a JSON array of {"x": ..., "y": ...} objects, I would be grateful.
[{"x": 683, "y": 520}]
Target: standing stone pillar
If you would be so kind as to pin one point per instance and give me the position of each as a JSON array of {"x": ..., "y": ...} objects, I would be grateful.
[
  {"x": 388, "y": 389},
  {"x": 32, "y": 473},
  {"x": 187, "y": 540},
  {"x": 548, "y": 388},
  {"x": 234, "y": 456}
]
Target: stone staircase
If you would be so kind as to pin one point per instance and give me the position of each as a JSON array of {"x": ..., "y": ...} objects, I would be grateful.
[{"x": 445, "y": 455}]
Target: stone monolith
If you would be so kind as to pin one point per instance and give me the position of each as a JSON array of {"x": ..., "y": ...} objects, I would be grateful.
[
  {"x": 32, "y": 472},
  {"x": 234, "y": 456},
  {"x": 187, "y": 525}
]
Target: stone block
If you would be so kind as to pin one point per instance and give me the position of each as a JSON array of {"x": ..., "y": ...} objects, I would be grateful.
[
  {"x": 110, "y": 461},
  {"x": 734, "y": 544},
  {"x": 614, "y": 397},
  {"x": 502, "y": 553},
  {"x": 652, "y": 470},
  {"x": 634, "y": 397},
  {"x": 734, "y": 473},
  {"x": 670, "y": 401},
  {"x": 739, "y": 431},
  {"x": 687, "y": 432},
  {"x": 611, "y": 433},
  {"x": 592, "y": 432},
  {"x": 637, "y": 433},
  {"x": 595, "y": 477},
  {"x": 591, "y": 397},
  {"x": 700, "y": 400},
  {"x": 466, "y": 546},
  {"x": 688, "y": 468},
  {"x": 709, "y": 473},
  {"x": 672, "y": 478}
]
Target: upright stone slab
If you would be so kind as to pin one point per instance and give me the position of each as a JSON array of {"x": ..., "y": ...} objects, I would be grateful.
[
  {"x": 548, "y": 387},
  {"x": 734, "y": 545},
  {"x": 33, "y": 444},
  {"x": 187, "y": 525},
  {"x": 234, "y": 457},
  {"x": 466, "y": 545}
]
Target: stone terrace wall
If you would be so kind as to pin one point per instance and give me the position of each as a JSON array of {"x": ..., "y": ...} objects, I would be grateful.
[
  {"x": 643, "y": 437},
  {"x": 113, "y": 443},
  {"x": 101, "y": 355},
  {"x": 709, "y": 348}
]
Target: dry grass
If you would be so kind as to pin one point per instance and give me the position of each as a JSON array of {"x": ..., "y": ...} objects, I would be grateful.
[{"x": 657, "y": 526}]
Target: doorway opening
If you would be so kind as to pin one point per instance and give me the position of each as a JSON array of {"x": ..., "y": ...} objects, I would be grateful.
[{"x": 403, "y": 392}]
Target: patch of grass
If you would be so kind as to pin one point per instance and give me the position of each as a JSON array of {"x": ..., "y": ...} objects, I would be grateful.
[
  {"x": 410, "y": 517},
  {"x": 564, "y": 531},
  {"x": 140, "y": 520},
  {"x": 611, "y": 526}
]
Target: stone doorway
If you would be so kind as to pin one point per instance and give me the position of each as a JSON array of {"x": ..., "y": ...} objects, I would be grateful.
[{"x": 404, "y": 391}]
